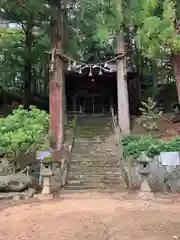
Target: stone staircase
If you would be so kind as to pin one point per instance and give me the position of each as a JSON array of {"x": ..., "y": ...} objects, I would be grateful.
[{"x": 94, "y": 157}]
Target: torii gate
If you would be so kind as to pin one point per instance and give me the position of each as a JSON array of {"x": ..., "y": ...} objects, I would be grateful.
[{"x": 57, "y": 84}]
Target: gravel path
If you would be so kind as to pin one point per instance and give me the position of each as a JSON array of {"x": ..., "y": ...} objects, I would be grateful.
[{"x": 90, "y": 217}]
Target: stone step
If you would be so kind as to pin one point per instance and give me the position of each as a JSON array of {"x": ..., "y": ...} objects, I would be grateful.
[
  {"x": 83, "y": 153},
  {"x": 77, "y": 185},
  {"x": 93, "y": 159},
  {"x": 95, "y": 179},
  {"x": 93, "y": 174},
  {"x": 94, "y": 140},
  {"x": 89, "y": 145},
  {"x": 99, "y": 168},
  {"x": 94, "y": 146},
  {"x": 87, "y": 165},
  {"x": 93, "y": 120},
  {"x": 100, "y": 171},
  {"x": 89, "y": 162},
  {"x": 91, "y": 135},
  {"x": 97, "y": 155},
  {"x": 93, "y": 186},
  {"x": 91, "y": 171},
  {"x": 107, "y": 188},
  {"x": 82, "y": 188},
  {"x": 94, "y": 133},
  {"x": 93, "y": 151},
  {"x": 101, "y": 131},
  {"x": 68, "y": 192},
  {"x": 92, "y": 166},
  {"x": 88, "y": 172},
  {"x": 92, "y": 128},
  {"x": 94, "y": 156}
]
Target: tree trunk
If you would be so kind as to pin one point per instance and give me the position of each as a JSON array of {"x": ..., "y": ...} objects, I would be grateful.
[
  {"x": 56, "y": 83},
  {"x": 64, "y": 22},
  {"x": 138, "y": 61},
  {"x": 176, "y": 67},
  {"x": 154, "y": 74},
  {"x": 27, "y": 76},
  {"x": 176, "y": 59},
  {"x": 122, "y": 91}
]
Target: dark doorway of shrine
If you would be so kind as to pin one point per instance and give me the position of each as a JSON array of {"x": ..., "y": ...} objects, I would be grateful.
[{"x": 96, "y": 94}]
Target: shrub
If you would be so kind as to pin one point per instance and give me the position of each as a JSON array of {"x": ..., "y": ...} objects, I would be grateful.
[
  {"x": 23, "y": 132},
  {"x": 149, "y": 115},
  {"x": 134, "y": 145}
]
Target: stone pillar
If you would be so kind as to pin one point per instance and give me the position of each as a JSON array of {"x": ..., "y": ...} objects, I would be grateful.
[
  {"x": 145, "y": 191},
  {"x": 47, "y": 178},
  {"x": 46, "y": 185}
]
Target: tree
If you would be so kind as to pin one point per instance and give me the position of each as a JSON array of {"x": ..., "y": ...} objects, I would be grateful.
[
  {"x": 56, "y": 79},
  {"x": 11, "y": 61},
  {"x": 23, "y": 133},
  {"x": 27, "y": 15},
  {"x": 157, "y": 32},
  {"x": 148, "y": 26}
]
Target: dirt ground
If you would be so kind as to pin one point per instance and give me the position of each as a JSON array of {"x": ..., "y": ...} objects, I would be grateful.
[
  {"x": 166, "y": 129},
  {"x": 91, "y": 216}
]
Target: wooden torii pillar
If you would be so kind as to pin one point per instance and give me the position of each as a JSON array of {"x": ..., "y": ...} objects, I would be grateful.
[
  {"x": 56, "y": 94},
  {"x": 122, "y": 89}
]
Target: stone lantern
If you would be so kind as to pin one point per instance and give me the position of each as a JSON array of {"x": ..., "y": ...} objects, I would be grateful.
[
  {"x": 144, "y": 171},
  {"x": 46, "y": 173}
]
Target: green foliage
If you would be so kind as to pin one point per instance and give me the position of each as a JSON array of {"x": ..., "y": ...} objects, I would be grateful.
[
  {"x": 11, "y": 61},
  {"x": 15, "y": 49},
  {"x": 150, "y": 114},
  {"x": 90, "y": 31},
  {"x": 94, "y": 27},
  {"x": 134, "y": 145},
  {"x": 156, "y": 34},
  {"x": 48, "y": 159},
  {"x": 23, "y": 132},
  {"x": 72, "y": 122}
]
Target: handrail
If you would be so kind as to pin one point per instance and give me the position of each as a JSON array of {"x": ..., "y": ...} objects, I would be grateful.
[
  {"x": 70, "y": 151},
  {"x": 113, "y": 119},
  {"x": 74, "y": 134},
  {"x": 115, "y": 126}
]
